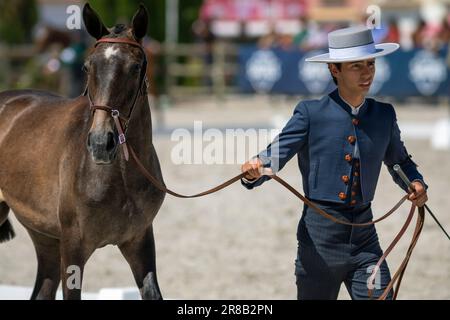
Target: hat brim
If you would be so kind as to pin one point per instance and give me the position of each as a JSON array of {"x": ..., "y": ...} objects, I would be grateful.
[{"x": 382, "y": 49}]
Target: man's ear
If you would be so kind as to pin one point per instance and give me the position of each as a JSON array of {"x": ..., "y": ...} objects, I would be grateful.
[
  {"x": 333, "y": 69},
  {"x": 93, "y": 23},
  {"x": 140, "y": 22}
]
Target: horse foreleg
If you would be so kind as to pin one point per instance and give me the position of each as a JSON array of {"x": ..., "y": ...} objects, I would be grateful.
[
  {"x": 6, "y": 230},
  {"x": 48, "y": 271},
  {"x": 72, "y": 265},
  {"x": 140, "y": 255}
]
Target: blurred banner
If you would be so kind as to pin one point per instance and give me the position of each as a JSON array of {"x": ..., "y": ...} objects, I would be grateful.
[
  {"x": 253, "y": 18},
  {"x": 401, "y": 74},
  {"x": 252, "y": 9}
]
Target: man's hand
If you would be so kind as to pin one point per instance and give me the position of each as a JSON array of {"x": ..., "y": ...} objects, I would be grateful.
[
  {"x": 252, "y": 168},
  {"x": 419, "y": 196}
]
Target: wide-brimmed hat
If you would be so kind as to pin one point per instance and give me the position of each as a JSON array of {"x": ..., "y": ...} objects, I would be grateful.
[{"x": 353, "y": 44}]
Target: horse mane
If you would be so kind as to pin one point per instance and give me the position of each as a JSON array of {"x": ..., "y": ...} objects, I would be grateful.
[
  {"x": 119, "y": 28},
  {"x": 120, "y": 31}
]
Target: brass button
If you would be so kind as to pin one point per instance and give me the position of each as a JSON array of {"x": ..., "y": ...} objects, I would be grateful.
[
  {"x": 357, "y": 164},
  {"x": 348, "y": 157},
  {"x": 355, "y": 184},
  {"x": 342, "y": 196},
  {"x": 355, "y": 121},
  {"x": 346, "y": 179},
  {"x": 356, "y": 174},
  {"x": 353, "y": 193},
  {"x": 353, "y": 202},
  {"x": 351, "y": 139}
]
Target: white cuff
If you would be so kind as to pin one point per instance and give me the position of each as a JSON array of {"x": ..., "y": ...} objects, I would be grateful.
[{"x": 248, "y": 181}]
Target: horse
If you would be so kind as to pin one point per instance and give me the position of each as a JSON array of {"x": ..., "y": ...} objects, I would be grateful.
[
  {"x": 62, "y": 172},
  {"x": 48, "y": 36}
]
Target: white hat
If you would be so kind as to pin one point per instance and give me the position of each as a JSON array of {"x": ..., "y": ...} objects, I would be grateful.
[{"x": 353, "y": 44}]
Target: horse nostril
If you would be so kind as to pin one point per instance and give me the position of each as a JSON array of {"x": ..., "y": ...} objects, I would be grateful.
[{"x": 111, "y": 144}]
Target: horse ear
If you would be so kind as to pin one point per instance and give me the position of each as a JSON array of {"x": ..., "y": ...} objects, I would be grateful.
[
  {"x": 140, "y": 22},
  {"x": 93, "y": 23}
]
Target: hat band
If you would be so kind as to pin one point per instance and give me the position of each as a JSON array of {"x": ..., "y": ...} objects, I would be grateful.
[{"x": 353, "y": 52}]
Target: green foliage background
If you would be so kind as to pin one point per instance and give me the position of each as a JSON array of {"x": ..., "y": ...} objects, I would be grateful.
[
  {"x": 121, "y": 11},
  {"x": 17, "y": 19}
]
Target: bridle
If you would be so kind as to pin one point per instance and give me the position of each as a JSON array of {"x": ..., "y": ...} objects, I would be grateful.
[
  {"x": 120, "y": 121},
  {"x": 118, "y": 118}
]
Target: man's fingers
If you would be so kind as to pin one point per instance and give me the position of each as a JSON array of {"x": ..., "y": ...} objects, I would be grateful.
[
  {"x": 252, "y": 169},
  {"x": 244, "y": 170},
  {"x": 422, "y": 200},
  {"x": 418, "y": 200},
  {"x": 413, "y": 196},
  {"x": 253, "y": 174},
  {"x": 248, "y": 170},
  {"x": 417, "y": 194}
]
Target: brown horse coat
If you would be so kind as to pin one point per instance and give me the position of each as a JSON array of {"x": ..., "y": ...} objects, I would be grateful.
[{"x": 68, "y": 202}]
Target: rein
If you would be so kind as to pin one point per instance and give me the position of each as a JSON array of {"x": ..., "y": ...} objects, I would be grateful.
[
  {"x": 396, "y": 279},
  {"x": 128, "y": 150}
]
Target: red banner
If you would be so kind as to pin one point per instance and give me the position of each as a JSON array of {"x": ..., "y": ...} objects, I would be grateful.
[{"x": 238, "y": 10}]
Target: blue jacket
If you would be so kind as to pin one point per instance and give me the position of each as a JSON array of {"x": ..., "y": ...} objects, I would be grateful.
[{"x": 322, "y": 133}]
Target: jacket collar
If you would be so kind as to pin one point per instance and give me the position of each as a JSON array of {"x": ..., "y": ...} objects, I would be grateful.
[{"x": 335, "y": 96}]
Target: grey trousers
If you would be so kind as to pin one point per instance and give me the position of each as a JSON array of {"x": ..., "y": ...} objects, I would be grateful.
[{"x": 330, "y": 254}]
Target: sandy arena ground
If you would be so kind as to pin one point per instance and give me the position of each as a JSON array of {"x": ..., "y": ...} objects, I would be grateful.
[{"x": 240, "y": 244}]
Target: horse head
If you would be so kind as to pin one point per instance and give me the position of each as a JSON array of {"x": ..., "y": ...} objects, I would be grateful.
[{"x": 116, "y": 71}]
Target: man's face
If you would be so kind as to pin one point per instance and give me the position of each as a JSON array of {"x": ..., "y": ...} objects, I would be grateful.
[{"x": 355, "y": 76}]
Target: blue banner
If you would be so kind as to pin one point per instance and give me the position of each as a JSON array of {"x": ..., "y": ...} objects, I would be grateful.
[{"x": 400, "y": 74}]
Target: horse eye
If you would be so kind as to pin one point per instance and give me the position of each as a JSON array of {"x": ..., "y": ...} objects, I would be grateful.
[{"x": 85, "y": 68}]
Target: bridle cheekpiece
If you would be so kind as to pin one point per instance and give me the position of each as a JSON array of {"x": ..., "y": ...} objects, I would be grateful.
[{"x": 119, "y": 120}]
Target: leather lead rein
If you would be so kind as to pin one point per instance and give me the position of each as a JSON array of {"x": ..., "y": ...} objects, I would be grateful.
[
  {"x": 396, "y": 279},
  {"x": 128, "y": 150}
]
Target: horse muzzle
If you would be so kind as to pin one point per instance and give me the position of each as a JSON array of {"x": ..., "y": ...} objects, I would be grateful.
[{"x": 102, "y": 146}]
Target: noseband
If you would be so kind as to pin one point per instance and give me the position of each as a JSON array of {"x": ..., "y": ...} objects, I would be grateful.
[{"x": 120, "y": 121}]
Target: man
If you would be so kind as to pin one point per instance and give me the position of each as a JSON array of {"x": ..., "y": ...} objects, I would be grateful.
[{"x": 341, "y": 141}]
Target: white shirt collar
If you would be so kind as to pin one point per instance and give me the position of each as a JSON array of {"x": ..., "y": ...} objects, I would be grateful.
[{"x": 355, "y": 110}]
